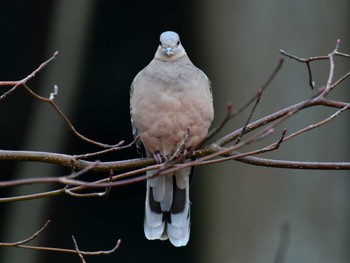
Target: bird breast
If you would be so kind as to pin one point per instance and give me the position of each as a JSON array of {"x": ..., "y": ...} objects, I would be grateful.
[{"x": 172, "y": 103}]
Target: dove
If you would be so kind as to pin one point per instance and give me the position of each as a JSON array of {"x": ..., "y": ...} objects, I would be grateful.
[{"x": 170, "y": 99}]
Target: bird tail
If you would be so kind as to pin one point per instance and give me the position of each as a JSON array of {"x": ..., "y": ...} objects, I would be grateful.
[{"x": 167, "y": 209}]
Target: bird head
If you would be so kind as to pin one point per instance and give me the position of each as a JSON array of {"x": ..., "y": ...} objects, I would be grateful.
[{"x": 170, "y": 46}]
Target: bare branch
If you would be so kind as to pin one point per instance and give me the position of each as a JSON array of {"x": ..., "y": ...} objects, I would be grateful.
[
  {"x": 202, "y": 161},
  {"x": 78, "y": 251},
  {"x": 50, "y": 100},
  {"x": 31, "y": 75},
  {"x": 84, "y": 253},
  {"x": 35, "y": 235},
  {"x": 243, "y": 130},
  {"x": 68, "y": 180},
  {"x": 273, "y": 163},
  {"x": 66, "y": 120},
  {"x": 331, "y": 70},
  {"x": 22, "y": 244},
  {"x": 329, "y": 57},
  {"x": 219, "y": 151},
  {"x": 307, "y": 62},
  {"x": 22, "y": 82},
  {"x": 231, "y": 114},
  {"x": 317, "y": 125}
]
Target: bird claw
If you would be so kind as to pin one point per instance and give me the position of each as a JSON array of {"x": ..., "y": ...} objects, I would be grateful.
[{"x": 157, "y": 157}]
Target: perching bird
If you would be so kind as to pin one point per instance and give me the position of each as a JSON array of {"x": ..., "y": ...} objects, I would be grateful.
[{"x": 170, "y": 98}]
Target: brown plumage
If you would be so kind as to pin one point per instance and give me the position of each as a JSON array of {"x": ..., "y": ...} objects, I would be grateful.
[{"x": 169, "y": 96}]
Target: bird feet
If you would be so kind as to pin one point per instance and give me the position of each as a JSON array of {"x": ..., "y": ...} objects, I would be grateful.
[{"x": 157, "y": 156}]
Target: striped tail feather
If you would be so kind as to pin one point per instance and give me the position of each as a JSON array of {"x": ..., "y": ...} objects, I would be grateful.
[{"x": 167, "y": 208}]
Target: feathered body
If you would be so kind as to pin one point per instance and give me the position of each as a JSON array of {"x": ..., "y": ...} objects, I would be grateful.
[{"x": 169, "y": 96}]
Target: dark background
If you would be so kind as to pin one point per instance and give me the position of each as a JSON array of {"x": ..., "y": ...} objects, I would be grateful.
[
  {"x": 102, "y": 45},
  {"x": 120, "y": 40}
]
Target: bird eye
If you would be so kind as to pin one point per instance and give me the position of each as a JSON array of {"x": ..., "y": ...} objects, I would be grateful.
[{"x": 178, "y": 43}]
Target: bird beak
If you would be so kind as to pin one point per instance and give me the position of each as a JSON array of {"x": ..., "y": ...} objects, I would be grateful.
[{"x": 169, "y": 51}]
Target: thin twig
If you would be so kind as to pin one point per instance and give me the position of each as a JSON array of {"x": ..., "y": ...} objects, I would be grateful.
[
  {"x": 202, "y": 161},
  {"x": 307, "y": 62},
  {"x": 31, "y": 75},
  {"x": 318, "y": 124},
  {"x": 67, "y": 121},
  {"x": 118, "y": 147},
  {"x": 302, "y": 165},
  {"x": 231, "y": 154},
  {"x": 210, "y": 154},
  {"x": 98, "y": 194},
  {"x": 263, "y": 88},
  {"x": 21, "y": 82},
  {"x": 226, "y": 151},
  {"x": 78, "y": 251},
  {"x": 69, "y": 179},
  {"x": 24, "y": 241},
  {"x": 231, "y": 114},
  {"x": 340, "y": 80},
  {"x": 50, "y": 100},
  {"x": 84, "y": 253},
  {"x": 181, "y": 148},
  {"x": 22, "y": 244},
  {"x": 5, "y": 94},
  {"x": 243, "y": 130},
  {"x": 331, "y": 70}
]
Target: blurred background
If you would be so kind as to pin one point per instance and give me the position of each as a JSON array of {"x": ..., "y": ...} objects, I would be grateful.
[{"x": 237, "y": 209}]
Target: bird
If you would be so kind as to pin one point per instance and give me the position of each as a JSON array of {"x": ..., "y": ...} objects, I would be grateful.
[{"x": 170, "y": 99}]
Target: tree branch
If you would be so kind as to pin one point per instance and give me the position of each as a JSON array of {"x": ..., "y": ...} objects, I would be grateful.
[
  {"x": 227, "y": 148},
  {"x": 219, "y": 151},
  {"x": 22, "y": 244}
]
